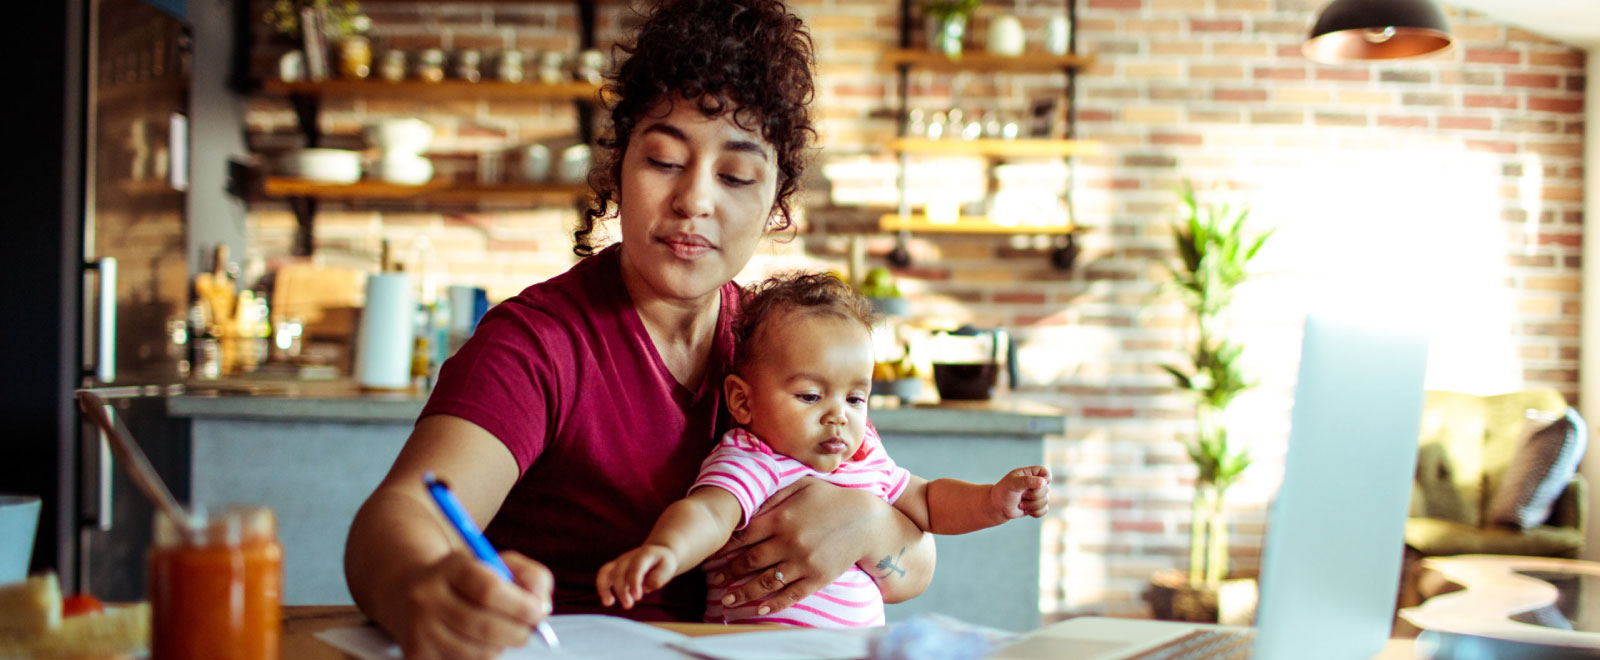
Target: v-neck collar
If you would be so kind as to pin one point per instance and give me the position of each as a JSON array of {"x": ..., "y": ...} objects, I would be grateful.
[{"x": 714, "y": 356}]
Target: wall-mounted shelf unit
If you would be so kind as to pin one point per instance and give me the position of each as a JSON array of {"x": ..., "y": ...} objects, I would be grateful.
[
  {"x": 906, "y": 59},
  {"x": 307, "y": 98}
]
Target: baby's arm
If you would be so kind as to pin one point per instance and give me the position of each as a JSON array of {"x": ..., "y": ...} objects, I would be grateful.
[
  {"x": 952, "y": 506},
  {"x": 685, "y": 535}
]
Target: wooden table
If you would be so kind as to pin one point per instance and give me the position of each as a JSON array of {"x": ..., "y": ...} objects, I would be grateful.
[{"x": 302, "y": 622}]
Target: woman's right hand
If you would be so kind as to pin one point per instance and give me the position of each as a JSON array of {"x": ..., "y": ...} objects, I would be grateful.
[{"x": 459, "y": 608}]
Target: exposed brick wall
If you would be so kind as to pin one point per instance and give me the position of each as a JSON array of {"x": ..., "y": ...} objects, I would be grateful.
[{"x": 1443, "y": 194}]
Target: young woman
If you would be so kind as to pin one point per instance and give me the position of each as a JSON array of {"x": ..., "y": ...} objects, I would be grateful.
[{"x": 582, "y": 407}]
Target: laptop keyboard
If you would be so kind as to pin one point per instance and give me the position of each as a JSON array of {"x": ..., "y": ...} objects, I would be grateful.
[{"x": 1204, "y": 644}]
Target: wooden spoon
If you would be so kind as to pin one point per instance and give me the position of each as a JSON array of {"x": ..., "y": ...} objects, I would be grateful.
[{"x": 138, "y": 466}]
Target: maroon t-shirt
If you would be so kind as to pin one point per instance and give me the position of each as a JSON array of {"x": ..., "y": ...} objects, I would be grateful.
[{"x": 565, "y": 375}]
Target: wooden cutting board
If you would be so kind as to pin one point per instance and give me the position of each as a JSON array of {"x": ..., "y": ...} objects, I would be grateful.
[{"x": 326, "y": 299}]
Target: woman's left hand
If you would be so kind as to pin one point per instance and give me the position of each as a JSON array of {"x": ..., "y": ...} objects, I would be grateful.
[{"x": 804, "y": 537}]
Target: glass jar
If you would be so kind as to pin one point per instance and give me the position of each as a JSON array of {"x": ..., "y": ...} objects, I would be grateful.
[
  {"x": 216, "y": 590},
  {"x": 468, "y": 66},
  {"x": 550, "y": 63},
  {"x": 510, "y": 65},
  {"x": 430, "y": 65},
  {"x": 393, "y": 66},
  {"x": 355, "y": 57}
]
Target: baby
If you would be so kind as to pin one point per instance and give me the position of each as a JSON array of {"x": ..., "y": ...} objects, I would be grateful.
[{"x": 799, "y": 387}]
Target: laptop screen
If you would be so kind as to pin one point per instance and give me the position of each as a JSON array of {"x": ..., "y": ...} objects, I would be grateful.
[{"x": 1331, "y": 559}]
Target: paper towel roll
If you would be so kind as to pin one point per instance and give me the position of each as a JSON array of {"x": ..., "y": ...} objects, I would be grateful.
[{"x": 383, "y": 360}]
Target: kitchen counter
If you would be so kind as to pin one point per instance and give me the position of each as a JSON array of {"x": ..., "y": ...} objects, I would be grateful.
[
  {"x": 314, "y": 450},
  {"x": 341, "y": 401}
]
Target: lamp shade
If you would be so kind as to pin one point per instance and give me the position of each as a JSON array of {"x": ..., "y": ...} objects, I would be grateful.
[{"x": 1351, "y": 30}]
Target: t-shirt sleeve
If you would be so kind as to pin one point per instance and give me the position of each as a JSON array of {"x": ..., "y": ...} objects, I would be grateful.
[
  {"x": 895, "y": 477},
  {"x": 505, "y": 379},
  {"x": 742, "y": 469}
]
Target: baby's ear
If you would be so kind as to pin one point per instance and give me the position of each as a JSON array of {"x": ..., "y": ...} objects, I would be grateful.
[{"x": 737, "y": 392}]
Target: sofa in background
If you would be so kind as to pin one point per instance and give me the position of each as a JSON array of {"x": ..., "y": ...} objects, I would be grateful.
[{"x": 1496, "y": 475}]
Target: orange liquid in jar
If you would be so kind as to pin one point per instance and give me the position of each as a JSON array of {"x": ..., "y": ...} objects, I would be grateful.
[{"x": 217, "y": 595}]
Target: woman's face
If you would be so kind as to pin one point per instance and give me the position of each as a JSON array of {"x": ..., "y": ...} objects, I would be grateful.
[{"x": 696, "y": 194}]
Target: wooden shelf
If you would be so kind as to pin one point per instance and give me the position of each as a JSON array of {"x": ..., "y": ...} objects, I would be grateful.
[
  {"x": 980, "y": 61},
  {"x": 436, "y": 191},
  {"x": 1021, "y": 148},
  {"x": 967, "y": 224},
  {"x": 444, "y": 90}
]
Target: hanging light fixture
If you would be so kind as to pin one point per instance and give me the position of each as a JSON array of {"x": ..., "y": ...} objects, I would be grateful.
[{"x": 1353, "y": 30}]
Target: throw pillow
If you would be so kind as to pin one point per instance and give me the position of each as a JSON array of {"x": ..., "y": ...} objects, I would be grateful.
[{"x": 1544, "y": 464}]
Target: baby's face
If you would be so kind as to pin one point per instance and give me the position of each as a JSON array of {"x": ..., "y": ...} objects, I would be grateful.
[{"x": 808, "y": 391}]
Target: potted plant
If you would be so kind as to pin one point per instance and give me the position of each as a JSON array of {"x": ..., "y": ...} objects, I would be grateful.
[
  {"x": 947, "y": 24},
  {"x": 342, "y": 17},
  {"x": 330, "y": 32},
  {"x": 1214, "y": 255}
]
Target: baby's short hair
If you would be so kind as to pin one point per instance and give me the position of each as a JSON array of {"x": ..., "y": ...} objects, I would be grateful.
[{"x": 806, "y": 293}]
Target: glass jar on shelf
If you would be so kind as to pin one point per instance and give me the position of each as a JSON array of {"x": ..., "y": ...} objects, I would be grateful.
[
  {"x": 509, "y": 68},
  {"x": 355, "y": 57},
  {"x": 393, "y": 65},
  {"x": 916, "y": 125},
  {"x": 468, "y": 66},
  {"x": 550, "y": 63},
  {"x": 430, "y": 65}
]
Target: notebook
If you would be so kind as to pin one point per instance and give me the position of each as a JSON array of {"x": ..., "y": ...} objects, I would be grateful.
[{"x": 1335, "y": 532}]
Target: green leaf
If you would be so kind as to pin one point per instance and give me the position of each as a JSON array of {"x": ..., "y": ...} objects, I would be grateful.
[{"x": 1182, "y": 378}]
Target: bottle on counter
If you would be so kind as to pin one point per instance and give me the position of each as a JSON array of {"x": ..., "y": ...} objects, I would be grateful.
[{"x": 205, "y": 351}]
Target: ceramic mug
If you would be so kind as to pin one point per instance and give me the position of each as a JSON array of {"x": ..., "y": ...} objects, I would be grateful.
[{"x": 19, "y": 521}]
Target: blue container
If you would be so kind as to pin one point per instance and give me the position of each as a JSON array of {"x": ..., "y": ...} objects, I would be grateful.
[{"x": 19, "y": 521}]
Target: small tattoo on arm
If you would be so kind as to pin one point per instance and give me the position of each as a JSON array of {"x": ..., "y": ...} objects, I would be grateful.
[{"x": 891, "y": 565}]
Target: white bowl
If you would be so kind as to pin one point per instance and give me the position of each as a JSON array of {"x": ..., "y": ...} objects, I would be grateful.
[
  {"x": 574, "y": 164},
  {"x": 405, "y": 134},
  {"x": 323, "y": 165},
  {"x": 403, "y": 169}
]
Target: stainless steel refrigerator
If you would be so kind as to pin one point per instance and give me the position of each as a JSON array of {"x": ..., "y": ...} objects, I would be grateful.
[{"x": 97, "y": 273}]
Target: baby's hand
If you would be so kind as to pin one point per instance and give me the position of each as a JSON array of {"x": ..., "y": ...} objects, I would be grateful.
[
  {"x": 1022, "y": 492},
  {"x": 637, "y": 572}
]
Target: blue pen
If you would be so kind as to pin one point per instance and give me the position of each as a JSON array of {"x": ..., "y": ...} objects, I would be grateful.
[{"x": 451, "y": 507}]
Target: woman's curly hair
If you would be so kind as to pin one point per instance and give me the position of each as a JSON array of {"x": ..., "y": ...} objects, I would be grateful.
[
  {"x": 753, "y": 56},
  {"x": 807, "y": 293}
]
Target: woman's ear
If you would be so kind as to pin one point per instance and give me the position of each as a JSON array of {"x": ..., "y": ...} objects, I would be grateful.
[{"x": 737, "y": 391}]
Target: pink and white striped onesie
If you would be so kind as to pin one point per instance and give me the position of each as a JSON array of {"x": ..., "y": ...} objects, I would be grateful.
[{"x": 745, "y": 466}]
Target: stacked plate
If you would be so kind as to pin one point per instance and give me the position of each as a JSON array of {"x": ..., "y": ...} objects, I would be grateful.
[{"x": 323, "y": 165}]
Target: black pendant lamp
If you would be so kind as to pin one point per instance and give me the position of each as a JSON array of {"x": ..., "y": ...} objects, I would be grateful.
[{"x": 1355, "y": 30}]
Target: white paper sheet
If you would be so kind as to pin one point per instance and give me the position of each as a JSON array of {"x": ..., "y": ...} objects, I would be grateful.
[
  {"x": 583, "y": 637},
  {"x": 795, "y": 644}
]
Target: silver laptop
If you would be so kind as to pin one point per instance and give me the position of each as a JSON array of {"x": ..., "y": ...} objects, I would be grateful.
[{"x": 1335, "y": 532}]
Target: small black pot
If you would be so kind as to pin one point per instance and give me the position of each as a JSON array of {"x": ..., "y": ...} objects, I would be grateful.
[{"x": 966, "y": 382}]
